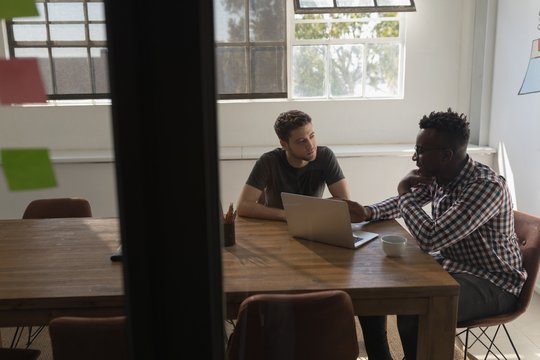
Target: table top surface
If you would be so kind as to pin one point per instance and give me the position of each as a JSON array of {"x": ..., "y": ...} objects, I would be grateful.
[
  {"x": 63, "y": 262},
  {"x": 59, "y": 258},
  {"x": 266, "y": 258}
]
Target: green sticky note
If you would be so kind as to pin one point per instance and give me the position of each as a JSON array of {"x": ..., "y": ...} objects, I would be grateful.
[
  {"x": 27, "y": 169},
  {"x": 17, "y": 8}
]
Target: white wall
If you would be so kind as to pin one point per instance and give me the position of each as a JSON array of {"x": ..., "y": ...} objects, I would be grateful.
[
  {"x": 80, "y": 142},
  {"x": 93, "y": 181},
  {"x": 515, "y": 119}
]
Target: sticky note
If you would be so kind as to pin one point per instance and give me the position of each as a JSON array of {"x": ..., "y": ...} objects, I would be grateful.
[
  {"x": 27, "y": 169},
  {"x": 21, "y": 82},
  {"x": 17, "y": 8}
]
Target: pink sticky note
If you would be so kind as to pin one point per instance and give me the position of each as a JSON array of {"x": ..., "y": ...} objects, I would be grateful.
[{"x": 20, "y": 82}]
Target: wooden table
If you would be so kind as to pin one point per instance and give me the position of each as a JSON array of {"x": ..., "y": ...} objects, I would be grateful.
[
  {"x": 54, "y": 267},
  {"x": 266, "y": 259}
]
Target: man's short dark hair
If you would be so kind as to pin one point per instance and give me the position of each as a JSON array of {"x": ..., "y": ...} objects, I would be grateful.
[
  {"x": 288, "y": 121},
  {"x": 452, "y": 125}
]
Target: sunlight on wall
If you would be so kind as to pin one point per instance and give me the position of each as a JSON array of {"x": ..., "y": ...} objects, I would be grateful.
[{"x": 505, "y": 170}]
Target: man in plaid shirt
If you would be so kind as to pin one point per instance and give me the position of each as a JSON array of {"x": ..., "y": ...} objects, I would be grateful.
[{"x": 470, "y": 230}]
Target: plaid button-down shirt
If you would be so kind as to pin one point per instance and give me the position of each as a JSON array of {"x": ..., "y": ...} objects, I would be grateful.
[{"x": 471, "y": 229}]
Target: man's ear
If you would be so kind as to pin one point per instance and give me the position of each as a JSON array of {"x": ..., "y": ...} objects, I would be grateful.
[
  {"x": 283, "y": 144},
  {"x": 448, "y": 154}
]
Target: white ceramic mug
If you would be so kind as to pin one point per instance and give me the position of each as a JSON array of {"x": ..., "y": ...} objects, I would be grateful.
[{"x": 393, "y": 245}]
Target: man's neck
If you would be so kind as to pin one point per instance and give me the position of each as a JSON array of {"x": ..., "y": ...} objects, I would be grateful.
[{"x": 453, "y": 170}]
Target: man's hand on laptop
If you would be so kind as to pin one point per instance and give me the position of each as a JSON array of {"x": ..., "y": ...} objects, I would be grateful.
[{"x": 358, "y": 212}]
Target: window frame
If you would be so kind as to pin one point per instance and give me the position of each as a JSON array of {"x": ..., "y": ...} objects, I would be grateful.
[{"x": 298, "y": 9}]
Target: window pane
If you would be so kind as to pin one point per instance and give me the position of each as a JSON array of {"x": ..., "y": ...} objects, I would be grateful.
[
  {"x": 97, "y": 32},
  {"x": 30, "y": 32},
  {"x": 346, "y": 70},
  {"x": 364, "y": 30},
  {"x": 72, "y": 70},
  {"x": 42, "y": 54},
  {"x": 68, "y": 32},
  {"x": 355, "y": 3},
  {"x": 316, "y": 3},
  {"x": 308, "y": 71},
  {"x": 386, "y": 29},
  {"x": 232, "y": 70},
  {"x": 382, "y": 70},
  {"x": 350, "y": 30},
  {"x": 66, "y": 12},
  {"x": 96, "y": 12},
  {"x": 394, "y": 2},
  {"x": 100, "y": 69},
  {"x": 268, "y": 69},
  {"x": 229, "y": 21},
  {"x": 267, "y": 20},
  {"x": 31, "y": 52},
  {"x": 311, "y": 31}
]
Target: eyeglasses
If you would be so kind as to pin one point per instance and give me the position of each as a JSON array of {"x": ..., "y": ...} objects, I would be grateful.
[{"x": 418, "y": 150}]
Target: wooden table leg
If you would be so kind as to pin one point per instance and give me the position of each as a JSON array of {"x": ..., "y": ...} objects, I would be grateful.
[{"x": 437, "y": 329}]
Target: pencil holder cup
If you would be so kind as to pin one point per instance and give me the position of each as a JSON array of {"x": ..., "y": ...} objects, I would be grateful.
[{"x": 228, "y": 234}]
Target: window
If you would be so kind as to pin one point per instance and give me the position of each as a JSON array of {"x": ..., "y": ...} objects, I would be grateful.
[
  {"x": 251, "y": 48},
  {"x": 330, "y": 55},
  {"x": 347, "y": 55},
  {"x": 69, "y": 40}
]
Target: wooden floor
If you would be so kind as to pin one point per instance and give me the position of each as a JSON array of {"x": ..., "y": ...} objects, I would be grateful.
[{"x": 525, "y": 332}]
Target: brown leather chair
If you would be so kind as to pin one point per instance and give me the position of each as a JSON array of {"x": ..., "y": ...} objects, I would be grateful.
[
  {"x": 528, "y": 233},
  {"x": 312, "y": 326},
  {"x": 68, "y": 207},
  {"x": 87, "y": 338},
  {"x": 19, "y": 354},
  {"x": 58, "y": 208}
]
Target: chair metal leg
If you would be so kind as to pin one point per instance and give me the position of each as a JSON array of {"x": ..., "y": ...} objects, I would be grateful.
[
  {"x": 16, "y": 337},
  {"x": 466, "y": 343},
  {"x": 32, "y": 335},
  {"x": 511, "y": 342},
  {"x": 490, "y": 346}
]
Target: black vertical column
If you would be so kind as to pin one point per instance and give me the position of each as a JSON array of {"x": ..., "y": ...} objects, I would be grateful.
[{"x": 161, "y": 57}]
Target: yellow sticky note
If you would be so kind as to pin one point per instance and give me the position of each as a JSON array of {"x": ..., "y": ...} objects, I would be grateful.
[
  {"x": 27, "y": 169},
  {"x": 17, "y": 8}
]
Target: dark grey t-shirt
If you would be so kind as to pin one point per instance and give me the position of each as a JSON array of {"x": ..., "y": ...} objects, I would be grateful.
[{"x": 273, "y": 174}]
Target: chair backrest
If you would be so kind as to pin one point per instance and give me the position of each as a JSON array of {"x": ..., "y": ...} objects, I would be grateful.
[
  {"x": 528, "y": 232},
  {"x": 311, "y": 326},
  {"x": 58, "y": 208},
  {"x": 19, "y": 354},
  {"x": 86, "y": 338}
]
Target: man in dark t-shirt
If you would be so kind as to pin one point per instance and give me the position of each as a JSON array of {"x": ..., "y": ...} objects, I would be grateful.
[{"x": 299, "y": 166}]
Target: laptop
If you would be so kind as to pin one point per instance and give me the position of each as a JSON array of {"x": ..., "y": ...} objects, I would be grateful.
[{"x": 323, "y": 220}]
